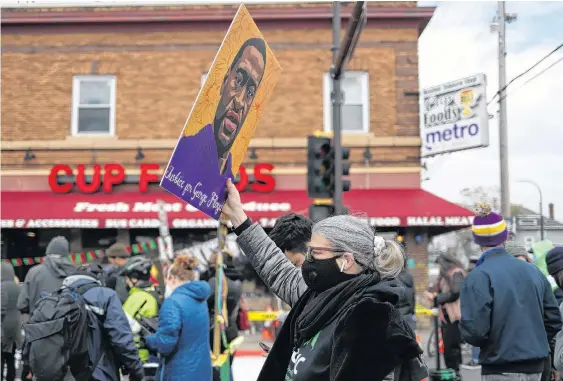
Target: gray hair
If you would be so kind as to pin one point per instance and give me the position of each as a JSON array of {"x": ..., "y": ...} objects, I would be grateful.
[{"x": 355, "y": 236}]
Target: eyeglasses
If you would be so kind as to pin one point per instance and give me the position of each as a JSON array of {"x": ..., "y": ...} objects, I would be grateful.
[{"x": 309, "y": 255}]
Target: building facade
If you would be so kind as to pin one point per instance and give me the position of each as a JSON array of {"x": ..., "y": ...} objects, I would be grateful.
[
  {"x": 528, "y": 226},
  {"x": 94, "y": 99}
]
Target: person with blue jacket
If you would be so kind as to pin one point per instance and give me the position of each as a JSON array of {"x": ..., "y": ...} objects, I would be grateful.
[
  {"x": 182, "y": 338},
  {"x": 507, "y": 307},
  {"x": 113, "y": 335}
]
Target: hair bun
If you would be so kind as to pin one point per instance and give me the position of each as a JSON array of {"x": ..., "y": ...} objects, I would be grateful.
[
  {"x": 186, "y": 261},
  {"x": 391, "y": 260}
]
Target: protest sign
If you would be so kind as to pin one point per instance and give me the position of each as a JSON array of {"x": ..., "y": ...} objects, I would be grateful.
[{"x": 223, "y": 119}]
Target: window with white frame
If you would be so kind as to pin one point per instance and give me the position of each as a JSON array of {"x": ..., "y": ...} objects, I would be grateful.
[
  {"x": 355, "y": 107},
  {"x": 93, "y": 105}
]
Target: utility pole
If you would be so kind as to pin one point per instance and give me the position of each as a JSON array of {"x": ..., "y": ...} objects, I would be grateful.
[
  {"x": 503, "y": 133},
  {"x": 500, "y": 24},
  {"x": 336, "y": 98},
  {"x": 341, "y": 54}
]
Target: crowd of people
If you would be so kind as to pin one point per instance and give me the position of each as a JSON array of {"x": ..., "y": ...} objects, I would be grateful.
[
  {"x": 133, "y": 329},
  {"x": 352, "y": 308}
]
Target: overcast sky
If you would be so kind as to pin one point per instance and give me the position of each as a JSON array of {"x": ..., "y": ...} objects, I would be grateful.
[{"x": 458, "y": 43}]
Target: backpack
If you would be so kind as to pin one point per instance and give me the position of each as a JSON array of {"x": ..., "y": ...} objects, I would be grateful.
[{"x": 57, "y": 335}]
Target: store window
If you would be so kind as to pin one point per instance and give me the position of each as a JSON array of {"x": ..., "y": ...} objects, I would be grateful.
[
  {"x": 98, "y": 239},
  {"x": 355, "y": 108},
  {"x": 20, "y": 243},
  {"x": 93, "y": 105}
]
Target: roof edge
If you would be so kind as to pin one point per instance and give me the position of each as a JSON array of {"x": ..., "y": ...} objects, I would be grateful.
[{"x": 140, "y": 15}]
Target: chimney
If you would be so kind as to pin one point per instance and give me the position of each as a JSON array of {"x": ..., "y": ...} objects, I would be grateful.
[{"x": 551, "y": 211}]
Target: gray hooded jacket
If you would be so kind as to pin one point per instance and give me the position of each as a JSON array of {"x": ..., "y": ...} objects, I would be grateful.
[
  {"x": 11, "y": 318},
  {"x": 43, "y": 279}
]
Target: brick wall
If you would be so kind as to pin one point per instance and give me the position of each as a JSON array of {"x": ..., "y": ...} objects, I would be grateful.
[
  {"x": 418, "y": 252},
  {"x": 158, "y": 76}
]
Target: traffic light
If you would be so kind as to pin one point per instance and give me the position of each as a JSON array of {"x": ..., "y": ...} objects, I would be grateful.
[
  {"x": 345, "y": 168},
  {"x": 319, "y": 166},
  {"x": 321, "y": 170}
]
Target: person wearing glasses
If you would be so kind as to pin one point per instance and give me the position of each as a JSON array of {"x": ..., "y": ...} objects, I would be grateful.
[{"x": 343, "y": 324}]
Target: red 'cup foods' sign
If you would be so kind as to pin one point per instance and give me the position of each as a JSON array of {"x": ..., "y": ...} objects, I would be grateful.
[{"x": 105, "y": 177}]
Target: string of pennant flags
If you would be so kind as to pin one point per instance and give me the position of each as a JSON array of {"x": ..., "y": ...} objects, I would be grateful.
[{"x": 85, "y": 256}]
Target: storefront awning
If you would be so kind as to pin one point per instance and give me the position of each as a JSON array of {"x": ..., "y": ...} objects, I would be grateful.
[{"x": 128, "y": 210}]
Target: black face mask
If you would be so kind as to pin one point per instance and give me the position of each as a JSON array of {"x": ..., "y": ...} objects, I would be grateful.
[{"x": 321, "y": 274}]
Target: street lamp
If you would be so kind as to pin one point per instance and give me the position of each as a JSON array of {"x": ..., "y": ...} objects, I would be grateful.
[{"x": 541, "y": 202}]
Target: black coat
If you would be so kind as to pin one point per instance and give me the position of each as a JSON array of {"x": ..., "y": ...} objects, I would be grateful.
[
  {"x": 369, "y": 340},
  {"x": 407, "y": 303}
]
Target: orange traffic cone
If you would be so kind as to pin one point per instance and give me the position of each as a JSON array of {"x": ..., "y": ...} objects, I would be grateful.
[
  {"x": 267, "y": 330},
  {"x": 266, "y": 334}
]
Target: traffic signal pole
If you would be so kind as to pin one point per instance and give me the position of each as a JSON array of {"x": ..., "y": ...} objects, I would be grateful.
[
  {"x": 336, "y": 98},
  {"x": 341, "y": 53}
]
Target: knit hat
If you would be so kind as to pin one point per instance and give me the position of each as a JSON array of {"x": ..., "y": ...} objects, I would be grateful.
[
  {"x": 489, "y": 228},
  {"x": 554, "y": 260},
  {"x": 118, "y": 250},
  {"x": 516, "y": 249},
  {"x": 58, "y": 246}
]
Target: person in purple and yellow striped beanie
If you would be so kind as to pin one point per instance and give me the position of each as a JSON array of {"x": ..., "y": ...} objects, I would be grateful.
[
  {"x": 507, "y": 308},
  {"x": 489, "y": 228}
]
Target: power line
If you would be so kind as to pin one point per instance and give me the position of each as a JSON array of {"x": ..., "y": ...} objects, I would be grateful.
[
  {"x": 524, "y": 73},
  {"x": 535, "y": 76}
]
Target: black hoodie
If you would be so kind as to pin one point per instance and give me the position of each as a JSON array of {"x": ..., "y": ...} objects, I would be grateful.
[
  {"x": 43, "y": 279},
  {"x": 407, "y": 303}
]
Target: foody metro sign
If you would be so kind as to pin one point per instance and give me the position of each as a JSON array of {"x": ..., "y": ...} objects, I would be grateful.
[
  {"x": 103, "y": 178},
  {"x": 455, "y": 116}
]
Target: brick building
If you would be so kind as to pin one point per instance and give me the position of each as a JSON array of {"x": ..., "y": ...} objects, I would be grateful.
[{"x": 115, "y": 85}]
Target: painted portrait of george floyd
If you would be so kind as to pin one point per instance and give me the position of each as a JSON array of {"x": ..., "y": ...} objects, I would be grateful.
[{"x": 224, "y": 118}]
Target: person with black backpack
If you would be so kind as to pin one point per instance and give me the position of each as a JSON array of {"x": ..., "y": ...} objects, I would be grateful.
[
  {"x": 43, "y": 279},
  {"x": 85, "y": 323}
]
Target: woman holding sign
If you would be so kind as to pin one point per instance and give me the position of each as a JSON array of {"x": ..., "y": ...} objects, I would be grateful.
[{"x": 343, "y": 324}]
